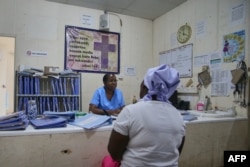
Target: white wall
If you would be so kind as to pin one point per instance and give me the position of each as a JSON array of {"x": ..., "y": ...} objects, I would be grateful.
[
  {"x": 216, "y": 15},
  {"x": 39, "y": 25},
  {"x": 7, "y": 49}
]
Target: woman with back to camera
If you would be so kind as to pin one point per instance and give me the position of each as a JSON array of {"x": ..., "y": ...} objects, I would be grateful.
[
  {"x": 150, "y": 133},
  {"x": 107, "y": 100}
]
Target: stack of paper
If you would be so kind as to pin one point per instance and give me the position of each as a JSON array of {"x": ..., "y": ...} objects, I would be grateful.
[
  {"x": 92, "y": 121},
  {"x": 69, "y": 115}
]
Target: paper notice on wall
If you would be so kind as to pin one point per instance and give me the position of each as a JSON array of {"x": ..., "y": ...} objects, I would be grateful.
[
  {"x": 201, "y": 28},
  {"x": 87, "y": 20},
  {"x": 201, "y": 60},
  {"x": 36, "y": 53},
  {"x": 221, "y": 82},
  {"x": 237, "y": 15},
  {"x": 216, "y": 60}
]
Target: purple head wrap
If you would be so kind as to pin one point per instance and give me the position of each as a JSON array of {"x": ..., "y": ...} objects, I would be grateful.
[{"x": 161, "y": 81}]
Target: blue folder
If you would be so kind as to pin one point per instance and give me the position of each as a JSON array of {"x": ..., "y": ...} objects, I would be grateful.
[
  {"x": 65, "y": 104},
  {"x": 69, "y": 115},
  {"x": 20, "y": 104},
  {"x": 61, "y": 86},
  {"x": 72, "y": 86},
  {"x": 14, "y": 121},
  {"x": 77, "y": 91},
  {"x": 56, "y": 82},
  {"x": 46, "y": 122},
  {"x": 189, "y": 117},
  {"x": 20, "y": 85}
]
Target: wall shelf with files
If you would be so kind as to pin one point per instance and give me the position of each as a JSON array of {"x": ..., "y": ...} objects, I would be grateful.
[{"x": 57, "y": 93}]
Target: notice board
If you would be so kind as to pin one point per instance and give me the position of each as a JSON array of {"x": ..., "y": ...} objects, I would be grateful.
[
  {"x": 180, "y": 58},
  {"x": 88, "y": 50}
]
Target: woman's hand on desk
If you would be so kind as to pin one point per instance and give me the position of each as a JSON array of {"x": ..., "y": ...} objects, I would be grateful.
[
  {"x": 97, "y": 110},
  {"x": 113, "y": 112}
]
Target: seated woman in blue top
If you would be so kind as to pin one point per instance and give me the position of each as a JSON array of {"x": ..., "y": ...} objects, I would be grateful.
[{"x": 107, "y": 100}]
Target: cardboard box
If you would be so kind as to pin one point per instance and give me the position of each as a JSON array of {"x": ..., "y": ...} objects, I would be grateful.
[{"x": 50, "y": 70}]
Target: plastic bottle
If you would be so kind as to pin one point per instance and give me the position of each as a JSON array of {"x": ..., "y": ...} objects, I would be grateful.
[
  {"x": 134, "y": 100},
  {"x": 200, "y": 106}
]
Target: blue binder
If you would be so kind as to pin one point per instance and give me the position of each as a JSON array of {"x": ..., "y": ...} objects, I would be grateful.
[
  {"x": 31, "y": 85},
  {"x": 53, "y": 86},
  {"x": 56, "y": 82},
  {"x": 40, "y": 105},
  {"x": 20, "y": 85},
  {"x": 69, "y": 104},
  {"x": 76, "y": 103},
  {"x": 61, "y": 86},
  {"x": 44, "y": 103},
  {"x": 72, "y": 86},
  {"x": 55, "y": 104},
  {"x": 37, "y": 85},
  {"x": 73, "y": 104},
  {"x": 64, "y": 104},
  {"x": 20, "y": 104},
  {"x": 77, "y": 86},
  {"x": 65, "y": 86}
]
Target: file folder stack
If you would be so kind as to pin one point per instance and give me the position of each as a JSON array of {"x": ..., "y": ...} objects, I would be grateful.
[
  {"x": 47, "y": 122},
  {"x": 14, "y": 121},
  {"x": 92, "y": 121},
  {"x": 56, "y": 94},
  {"x": 69, "y": 115}
]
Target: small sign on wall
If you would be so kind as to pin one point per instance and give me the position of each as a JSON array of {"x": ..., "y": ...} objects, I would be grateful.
[
  {"x": 36, "y": 53},
  {"x": 131, "y": 71},
  {"x": 87, "y": 20}
]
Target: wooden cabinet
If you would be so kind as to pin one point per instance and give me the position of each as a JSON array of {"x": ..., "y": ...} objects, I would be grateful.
[{"x": 51, "y": 93}]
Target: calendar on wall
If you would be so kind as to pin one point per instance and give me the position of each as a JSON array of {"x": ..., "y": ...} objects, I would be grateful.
[{"x": 180, "y": 58}]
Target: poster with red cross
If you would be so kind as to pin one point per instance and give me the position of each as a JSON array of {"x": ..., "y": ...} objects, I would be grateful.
[{"x": 89, "y": 50}]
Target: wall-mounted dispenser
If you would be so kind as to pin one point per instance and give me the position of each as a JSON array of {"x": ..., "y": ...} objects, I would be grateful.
[{"x": 104, "y": 22}]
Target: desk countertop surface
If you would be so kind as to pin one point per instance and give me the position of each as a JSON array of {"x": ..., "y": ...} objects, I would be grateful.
[{"x": 74, "y": 129}]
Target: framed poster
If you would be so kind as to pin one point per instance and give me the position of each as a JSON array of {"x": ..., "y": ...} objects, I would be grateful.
[
  {"x": 88, "y": 50},
  {"x": 234, "y": 46},
  {"x": 180, "y": 58}
]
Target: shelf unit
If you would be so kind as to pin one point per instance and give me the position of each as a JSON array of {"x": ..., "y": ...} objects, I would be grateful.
[{"x": 51, "y": 93}]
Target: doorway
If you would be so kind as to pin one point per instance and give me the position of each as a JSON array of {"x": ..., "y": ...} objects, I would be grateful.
[{"x": 7, "y": 75}]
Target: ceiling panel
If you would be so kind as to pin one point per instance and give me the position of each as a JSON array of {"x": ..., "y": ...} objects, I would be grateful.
[{"x": 148, "y": 9}]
